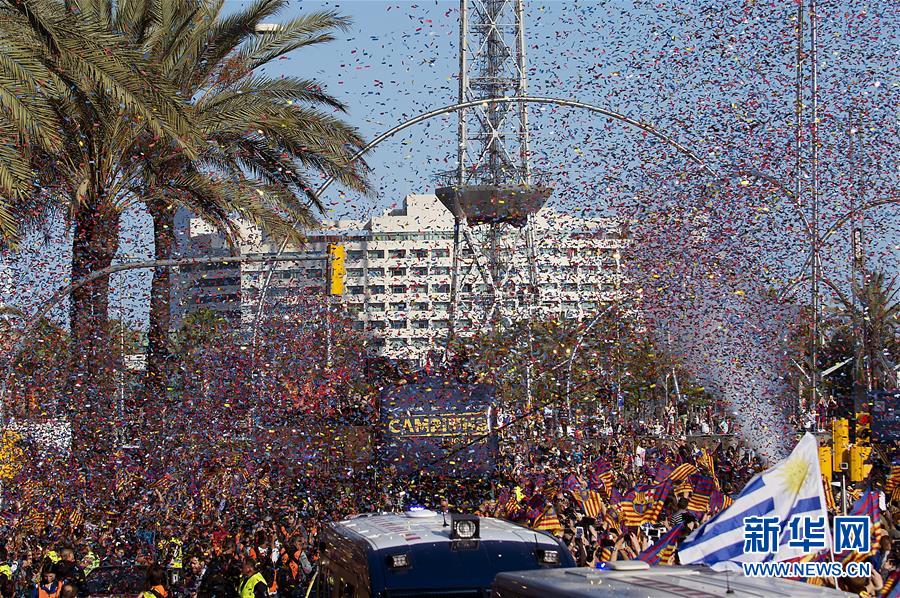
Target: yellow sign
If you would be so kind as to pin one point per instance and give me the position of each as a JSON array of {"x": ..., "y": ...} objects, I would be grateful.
[
  {"x": 473, "y": 423},
  {"x": 337, "y": 269}
]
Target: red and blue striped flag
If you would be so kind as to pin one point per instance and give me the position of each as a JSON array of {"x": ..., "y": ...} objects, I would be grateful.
[{"x": 664, "y": 549}]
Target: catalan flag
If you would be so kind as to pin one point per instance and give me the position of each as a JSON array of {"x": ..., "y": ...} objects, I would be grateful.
[
  {"x": 76, "y": 518},
  {"x": 663, "y": 551},
  {"x": 829, "y": 495},
  {"x": 548, "y": 521},
  {"x": 591, "y": 502}
]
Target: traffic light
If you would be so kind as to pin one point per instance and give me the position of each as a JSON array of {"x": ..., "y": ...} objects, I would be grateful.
[
  {"x": 337, "y": 269},
  {"x": 840, "y": 435},
  {"x": 859, "y": 469},
  {"x": 825, "y": 461}
]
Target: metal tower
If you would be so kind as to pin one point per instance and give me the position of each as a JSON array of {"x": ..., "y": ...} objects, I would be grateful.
[{"x": 493, "y": 187}]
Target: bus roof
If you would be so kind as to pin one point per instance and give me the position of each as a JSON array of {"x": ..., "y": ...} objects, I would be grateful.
[
  {"x": 654, "y": 582},
  {"x": 391, "y": 530}
]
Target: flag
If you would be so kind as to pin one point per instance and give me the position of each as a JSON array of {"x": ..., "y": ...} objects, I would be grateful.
[
  {"x": 664, "y": 550},
  {"x": 571, "y": 482},
  {"x": 866, "y": 505},
  {"x": 706, "y": 460},
  {"x": 793, "y": 487},
  {"x": 703, "y": 487},
  {"x": 75, "y": 518},
  {"x": 601, "y": 476},
  {"x": 892, "y": 486},
  {"x": 891, "y": 587},
  {"x": 893, "y": 481},
  {"x": 591, "y": 502},
  {"x": 683, "y": 471},
  {"x": 829, "y": 495},
  {"x": 548, "y": 521}
]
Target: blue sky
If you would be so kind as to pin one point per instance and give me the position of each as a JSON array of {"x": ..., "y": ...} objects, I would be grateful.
[{"x": 715, "y": 75}]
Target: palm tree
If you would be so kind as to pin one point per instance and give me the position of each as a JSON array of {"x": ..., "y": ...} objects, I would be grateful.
[
  {"x": 262, "y": 135},
  {"x": 52, "y": 58},
  {"x": 78, "y": 86},
  {"x": 873, "y": 319}
]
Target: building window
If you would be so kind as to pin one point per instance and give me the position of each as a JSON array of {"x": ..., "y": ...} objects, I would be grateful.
[
  {"x": 467, "y": 288},
  {"x": 420, "y": 271},
  {"x": 441, "y": 288},
  {"x": 440, "y": 324},
  {"x": 356, "y": 255},
  {"x": 420, "y": 253},
  {"x": 396, "y": 253},
  {"x": 376, "y": 272},
  {"x": 399, "y": 289},
  {"x": 314, "y": 273},
  {"x": 354, "y": 272},
  {"x": 569, "y": 286},
  {"x": 420, "y": 288},
  {"x": 376, "y": 306},
  {"x": 397, "y": 271},
  {"x": 441, "y": 253},
  {"x": 439, "y": 270},
  {"x": 398, "y": 324},
  {"x": 420, "y": 324},
  {"x": 442, "y": 305},
  {"x": 400, "y": 306},
  {"x": 376, "y": 289},
  {"x": 376, "y": 254},
  {"x": 355, "y": 290},
  {"x": 376, "y": 325},
  {"x": 420, "y": 306}
]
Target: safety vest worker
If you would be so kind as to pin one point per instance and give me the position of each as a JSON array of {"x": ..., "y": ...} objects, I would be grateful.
[
  {"x": 91, "y": 561},
  {"x": 253, "y": 584},
  {"x": 7, "y": 587},
  {"x": 176, "y": 549},
  {"x": 49, "y": 590}
]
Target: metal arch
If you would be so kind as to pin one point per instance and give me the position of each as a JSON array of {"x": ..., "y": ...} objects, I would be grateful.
[
  {"x": 840, "y": 222},
  {"x": 461, "y": 106}
]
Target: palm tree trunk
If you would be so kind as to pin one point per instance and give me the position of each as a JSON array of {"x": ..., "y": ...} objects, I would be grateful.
[
  {"x": 156, "y": 380},
  {"x": 89, "y": 385}
]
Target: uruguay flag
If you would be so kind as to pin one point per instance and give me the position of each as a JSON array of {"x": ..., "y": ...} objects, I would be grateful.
[{"x": 793, "y": 487}]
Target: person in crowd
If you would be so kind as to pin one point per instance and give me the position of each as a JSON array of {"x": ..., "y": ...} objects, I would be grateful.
[
  {"x": 222, "y": 574},
  {"x": 7, "y": 584},
  {"x": 155, "y": 584},
  {"x": 67, "y": 569},
  {"x": 49, "y": 586},
  {"x": 194, "y": 575},
  {"x": 252, "y": 584}
]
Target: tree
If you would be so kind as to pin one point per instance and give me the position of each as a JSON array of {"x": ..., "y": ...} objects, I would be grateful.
[
  {"x": 95, "y": 91},
  {"x": 262, "y": 135},
  {"x": 872, "y": 322}
]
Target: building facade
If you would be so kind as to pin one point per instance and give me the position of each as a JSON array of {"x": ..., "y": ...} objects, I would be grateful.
[{"x": 399, "y": 274}]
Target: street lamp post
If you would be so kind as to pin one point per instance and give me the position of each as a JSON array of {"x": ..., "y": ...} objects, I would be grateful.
[{"x": 575, "y": 348}]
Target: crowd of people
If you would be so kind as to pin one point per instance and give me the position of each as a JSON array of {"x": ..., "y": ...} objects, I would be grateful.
[{"x": 624, "y": 495}]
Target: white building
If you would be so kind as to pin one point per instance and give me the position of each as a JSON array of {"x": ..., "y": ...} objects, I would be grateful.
[{"x": 399, "y": 270}]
